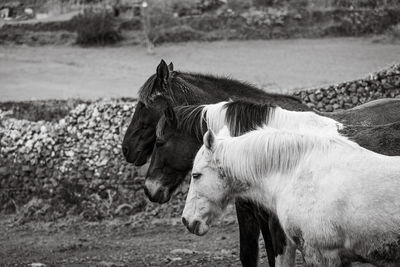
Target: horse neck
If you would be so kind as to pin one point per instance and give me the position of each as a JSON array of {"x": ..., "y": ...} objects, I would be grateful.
[
  {"x": 294, "y": 120},
  {"x": 201, "y": 88},
  {"x": 260, "y": 154},
  {"x": 190, "y": 121},
  {"x": 268, "y": 161}
]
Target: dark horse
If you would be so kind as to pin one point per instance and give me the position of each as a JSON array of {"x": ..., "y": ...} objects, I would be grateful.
[
  {"x": 169, "y": 87},
  {"x": 376, "y": 112},
  {"x": 179, "y": 136}
]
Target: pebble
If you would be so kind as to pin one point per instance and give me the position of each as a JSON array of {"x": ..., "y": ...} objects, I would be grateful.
[{"x": 182, "y": 251}]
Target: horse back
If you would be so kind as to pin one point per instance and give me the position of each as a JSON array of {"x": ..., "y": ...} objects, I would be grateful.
[{"x": 377, "y": 112}]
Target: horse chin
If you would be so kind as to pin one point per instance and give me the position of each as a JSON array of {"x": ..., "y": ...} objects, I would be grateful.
[
  {"x": 141, "y": 159},
  {"x": 201, "y": 229},
  {"x": 165, "y": 199}
]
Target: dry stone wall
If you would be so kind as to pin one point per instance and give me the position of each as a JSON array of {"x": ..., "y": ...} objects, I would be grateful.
[
  {"x": 382, "y": 84},
  {"x": 75, "y": 166}
]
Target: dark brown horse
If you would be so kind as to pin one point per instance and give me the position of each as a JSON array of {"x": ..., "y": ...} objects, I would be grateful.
[
  {"x": 376, "y": 112},
  {"x": 169, "y": 87}
]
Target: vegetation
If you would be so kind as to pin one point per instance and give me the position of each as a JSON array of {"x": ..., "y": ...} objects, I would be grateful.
[
  {"x": 96, "y": 29},
  {"x": 207, "y": 20}
]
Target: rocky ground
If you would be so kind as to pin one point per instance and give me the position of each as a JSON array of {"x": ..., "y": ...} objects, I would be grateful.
[{"x": 71, "y": 242}]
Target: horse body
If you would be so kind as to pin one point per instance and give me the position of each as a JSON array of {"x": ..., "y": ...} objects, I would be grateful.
[
  {"x": 384, "y": 139},
  {"x": 328, "y": 193},
  {"x": 347, "y": 201},
  {"x": 376, "y": 112}
]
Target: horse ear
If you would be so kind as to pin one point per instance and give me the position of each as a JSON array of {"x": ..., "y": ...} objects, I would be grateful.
[
  {"x": 171, "y": 67},
  {"x": 170, "y": 115},
  {"x": 209, "y": 140},
  {"x": 162, "y": 71}
]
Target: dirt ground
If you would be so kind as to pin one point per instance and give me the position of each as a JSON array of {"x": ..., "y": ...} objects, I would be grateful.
[
  {"x": 121, "y": 243},
  {"x": 63, "y": 72},
  {"x": 117, "y": 243}
]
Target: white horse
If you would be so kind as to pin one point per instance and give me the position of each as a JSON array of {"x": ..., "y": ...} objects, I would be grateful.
[{"x": 330, "y": 195}]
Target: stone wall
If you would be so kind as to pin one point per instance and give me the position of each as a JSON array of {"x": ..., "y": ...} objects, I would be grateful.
[
  {"x": 74, "y": 165},
  {"x": 382, "y": 84}
]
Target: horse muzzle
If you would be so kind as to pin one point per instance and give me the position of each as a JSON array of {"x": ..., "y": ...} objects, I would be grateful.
[
  {"x": 196, "y": 226},
  {"x": 156, "y": 192}
]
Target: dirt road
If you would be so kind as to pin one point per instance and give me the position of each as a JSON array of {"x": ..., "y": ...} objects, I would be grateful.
[{"x": 65, "y": 72}]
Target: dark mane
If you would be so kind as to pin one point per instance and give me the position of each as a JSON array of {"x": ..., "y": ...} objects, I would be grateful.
[
  {"x": 242, "y": 116},
  {"x": 188, "y": 121},
  {"x": 180, "y": 92},
  {"x": 187, "y": 88}
]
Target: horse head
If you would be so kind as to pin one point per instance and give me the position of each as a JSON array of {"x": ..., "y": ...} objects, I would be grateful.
[
  {"x": 209, "y": 190},
  {"x": 165, "y": 172},
  {"x": 139, "y": 138}
]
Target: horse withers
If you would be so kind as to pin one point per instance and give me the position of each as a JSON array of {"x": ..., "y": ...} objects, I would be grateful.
[{"x": 336, "y": 201}]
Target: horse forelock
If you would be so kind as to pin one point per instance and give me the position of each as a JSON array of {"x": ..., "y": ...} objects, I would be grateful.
[
  {"x": 146, "y": 90},
  {"x": 160, "y": 127}
]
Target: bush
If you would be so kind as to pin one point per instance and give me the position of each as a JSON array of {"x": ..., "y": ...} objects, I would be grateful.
[
  {"x": 183, "y": 33},
  {"x": 96, "y": 29},
  {"x": 134, "y": 24}
]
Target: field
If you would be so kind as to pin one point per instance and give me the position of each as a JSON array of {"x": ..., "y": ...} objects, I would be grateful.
[
  {"x": 72, "y": 72},
  {"x": 116, "y": 242},
  {"x": 281, "y": 66}
]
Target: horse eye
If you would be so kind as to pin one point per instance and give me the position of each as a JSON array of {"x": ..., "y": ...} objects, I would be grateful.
[
  {"x": 144, "y": 126},
  {"x": 159, "y": 143},
  {"x": 196, "y": 175}
]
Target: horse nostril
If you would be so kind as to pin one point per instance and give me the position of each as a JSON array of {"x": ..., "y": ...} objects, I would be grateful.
[
  {"x": 125, "y": 151},
  {"x": 184, "y": 221}
]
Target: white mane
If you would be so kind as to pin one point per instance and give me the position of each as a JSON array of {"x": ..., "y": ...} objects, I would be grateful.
[
  {"x": 215, "y": 116},
  {"x": 295, "y": 120},
  {"x": 268, "y": 151}
]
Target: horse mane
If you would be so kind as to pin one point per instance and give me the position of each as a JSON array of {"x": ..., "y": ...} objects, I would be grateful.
[
  {"x": 189, "y": 120},
  {"x": 186, "y": 88},
  {"x": 268, "y": 151},
  {"x": 242, "y": 116}
]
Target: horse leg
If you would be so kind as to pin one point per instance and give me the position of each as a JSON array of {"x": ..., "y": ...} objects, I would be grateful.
[
  {"x": 269, "y": 240},
  {"x": 249, "y": 230},
  {"x": 274, "y": 237},
  {"x": 288, "y": 258}
]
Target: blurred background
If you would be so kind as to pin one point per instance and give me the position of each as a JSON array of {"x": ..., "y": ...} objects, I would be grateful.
[
  {"x": 70, "y": 71},
  {"x": 42, "y": 43}
]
